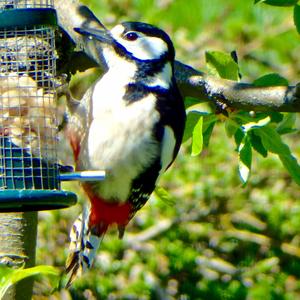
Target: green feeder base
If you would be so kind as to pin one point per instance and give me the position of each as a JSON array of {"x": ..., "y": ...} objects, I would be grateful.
[{"x": 35, "y": 200}]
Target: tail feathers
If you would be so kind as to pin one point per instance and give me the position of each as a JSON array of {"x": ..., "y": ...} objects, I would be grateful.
[{"x": 83, "y": 247}]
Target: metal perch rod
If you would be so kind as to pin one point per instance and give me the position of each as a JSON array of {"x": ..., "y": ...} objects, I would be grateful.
[{"x": 83, "y": 176}]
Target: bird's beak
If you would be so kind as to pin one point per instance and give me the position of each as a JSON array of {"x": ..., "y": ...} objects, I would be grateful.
[{"x": 101, "y": 35}]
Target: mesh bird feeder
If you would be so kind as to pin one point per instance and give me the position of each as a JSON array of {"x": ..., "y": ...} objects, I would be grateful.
[{"x": 29, "y": 172}]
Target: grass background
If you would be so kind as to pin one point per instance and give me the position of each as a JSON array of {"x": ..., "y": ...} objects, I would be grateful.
[{"x": 210, "y": 238}]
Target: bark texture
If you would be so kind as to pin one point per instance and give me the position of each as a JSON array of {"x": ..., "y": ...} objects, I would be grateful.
[{"x": 18, "y": 232}]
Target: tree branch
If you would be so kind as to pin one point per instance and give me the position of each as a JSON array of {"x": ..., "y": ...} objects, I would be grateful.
[
  {"x": 245, "y": 96},
  {"x": 192, "y": 83}
]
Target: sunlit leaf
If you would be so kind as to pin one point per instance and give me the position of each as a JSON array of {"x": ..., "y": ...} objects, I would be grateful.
[
  {"x": 163, "y": 195},
  {"x": 222, "y": 64},
  {"x": 13, "y": 276},
  {"x": 245, "y": 159},
  {"x": 257, "y": 124},
  {"x": 197, "y": 142}
]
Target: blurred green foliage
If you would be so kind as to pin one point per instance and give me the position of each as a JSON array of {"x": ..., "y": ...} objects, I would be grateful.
[
  {"x": 205, "y": 234},
  {"x": 9, "y": 276}
]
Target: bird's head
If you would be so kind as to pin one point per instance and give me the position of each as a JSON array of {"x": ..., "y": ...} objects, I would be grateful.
[{"x": 133, "y": 41}]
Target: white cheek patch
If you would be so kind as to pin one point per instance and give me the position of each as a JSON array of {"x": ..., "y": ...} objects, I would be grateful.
[
  {"x": 167, "y": 151},
  {"x": 145, "y": 47},
  {"x": 150, "y": 48}
]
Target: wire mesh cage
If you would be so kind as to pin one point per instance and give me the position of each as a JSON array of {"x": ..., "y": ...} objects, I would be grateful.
[
  {"x": 8, "y": 4},
  {"x": 28, "y": 112}
]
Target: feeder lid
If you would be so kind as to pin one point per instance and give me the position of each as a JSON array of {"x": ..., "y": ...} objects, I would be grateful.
[
  {"x": 27, "y": 17},
  {"x": 35, "y": 200}
]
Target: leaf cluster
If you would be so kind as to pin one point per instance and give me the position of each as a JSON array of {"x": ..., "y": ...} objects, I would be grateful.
[{"x": 261, "y": 132}]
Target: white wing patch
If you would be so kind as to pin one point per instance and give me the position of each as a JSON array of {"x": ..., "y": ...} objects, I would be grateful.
[{"x": 167, "y": 151}]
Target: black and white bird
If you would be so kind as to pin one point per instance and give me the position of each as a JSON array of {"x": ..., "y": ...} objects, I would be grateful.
[{"x": 129, "y": 123}]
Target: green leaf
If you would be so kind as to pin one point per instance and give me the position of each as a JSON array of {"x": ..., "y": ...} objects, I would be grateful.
[
  {"x": 191, "y": 120},
  {"x": 12, "y": 276},
  {"x": 278, "y": 2},
  {"x": 239, "y": 136},
  {"x": 272, "y": 79},
  {"x": 287, "y": 124},
  {"x": 164, "y": 195},
  {"x": 230, "y": 127},
  {"x": 5, "y": 272},
  {"x": 222, "y": 64},
  {"x": 209, "y": 122},
  {"x": 207, "y": 133},
  {"x": 271, "y": 140},
  {"x": 275, "y": 116},
  {"x": 257, "y": 144},
  {"x": 189, "y": 101},
  {"x": 193, "y": 117},
  {"x": 297, "y": 17},
  {"x": 245, "y": 159},
  {"x": 291, "y": 164},
  {"x": 197, "y": 142}
]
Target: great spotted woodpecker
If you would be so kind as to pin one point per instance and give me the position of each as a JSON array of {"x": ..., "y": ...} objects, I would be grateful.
[{"x": 129, "y": 123}]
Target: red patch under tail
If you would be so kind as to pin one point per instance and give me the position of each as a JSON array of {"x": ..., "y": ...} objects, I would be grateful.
[{"x": 106, "y": 213}]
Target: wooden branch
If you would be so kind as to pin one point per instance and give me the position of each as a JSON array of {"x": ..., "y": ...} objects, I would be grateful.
[
  {"x": 191, "y": 82},
  {"x": 245, "y": 96}
]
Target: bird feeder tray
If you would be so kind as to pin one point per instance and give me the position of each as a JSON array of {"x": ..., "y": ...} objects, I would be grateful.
[
  {"x": 29, "y": 172},
  {"x": 19, "y": 18},
  {"x": 35, "y": 200}
]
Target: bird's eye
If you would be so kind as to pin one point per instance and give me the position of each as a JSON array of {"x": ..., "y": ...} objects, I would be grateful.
[{"x": 131, "y": 36}]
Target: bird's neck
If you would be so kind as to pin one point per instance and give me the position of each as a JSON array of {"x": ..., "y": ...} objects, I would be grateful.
[{"x": 149, "y": 73}]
